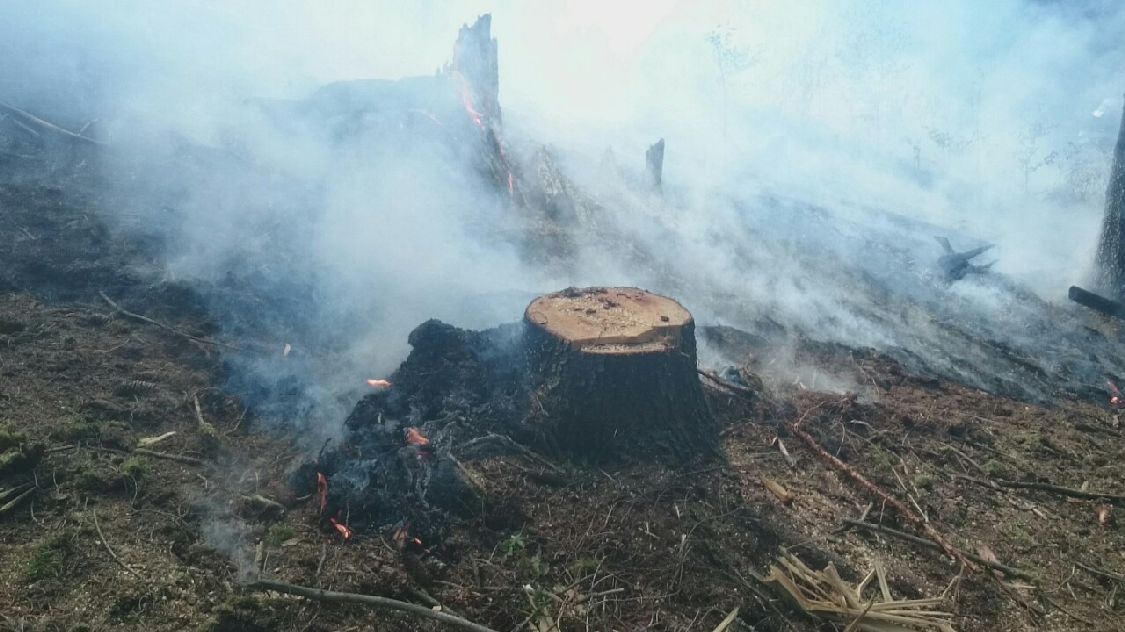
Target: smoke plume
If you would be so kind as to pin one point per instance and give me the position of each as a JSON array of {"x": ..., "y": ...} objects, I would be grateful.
[{"x": 813, "y": 152}]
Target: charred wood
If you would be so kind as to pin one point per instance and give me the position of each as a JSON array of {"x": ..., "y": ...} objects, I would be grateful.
[
  {"x": 1110, "y": 266},
  {"x": 1096, "y": 302},
  {"x": 654, "y": 162}
]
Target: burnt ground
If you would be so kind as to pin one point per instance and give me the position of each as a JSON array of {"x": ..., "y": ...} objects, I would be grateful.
[{"x": 111, "y": 538}]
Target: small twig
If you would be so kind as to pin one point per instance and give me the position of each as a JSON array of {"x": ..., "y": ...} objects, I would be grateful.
[
  {"x": 27, "y": 117},
  {"x": 179, "y": 458},
  {"x": 330, "y": 596},
  {"x": 1068, "y": 613},
  {"x": 725, "y": 623},
  {"x": 323, "y": 556},
  {"x": 854, "y": 625},
  {"x": 747, "y": 393},
  {"x": 1007, "y": 570},
  {"x": 105, "y": 542},
  {"x": 11, "y": 504},
  {"x": 1062, "y": 491},
  {"x": 429, "y": 600},
  {"x": 792, "y": 462},
  {"x": 161, "y": 325},
  {"x": 603, "y": 593},
  {"x": 1101, "y": 573}
]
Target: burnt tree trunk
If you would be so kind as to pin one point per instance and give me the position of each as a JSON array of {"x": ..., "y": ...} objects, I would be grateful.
[
  {"x": 1110, "y": 273},
  {"x": 654, "y": 163},
  {"x": 614, "y": 376}
]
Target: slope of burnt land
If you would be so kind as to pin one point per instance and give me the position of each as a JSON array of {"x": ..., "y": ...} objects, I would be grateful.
[
  {"x": 145, "y": 483},
  {"x": 624, "y": 547}
]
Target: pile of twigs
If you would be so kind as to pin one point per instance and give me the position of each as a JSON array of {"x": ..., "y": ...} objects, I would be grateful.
[{"x": 823, "y": 594}]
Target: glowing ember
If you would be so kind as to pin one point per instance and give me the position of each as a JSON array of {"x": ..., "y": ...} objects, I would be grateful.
[
  {"x": 404, "y": 540},
  {"x": 344, "y": 531},
  {"x": 1115, "y": 398},
  {"x": 322, "y": 490},
  {"x": 467, "y": 101},
  {"x": 1105, "y": 514},
  {"x": 413, "y": 437},
  {"x": 379, "y": 383}
]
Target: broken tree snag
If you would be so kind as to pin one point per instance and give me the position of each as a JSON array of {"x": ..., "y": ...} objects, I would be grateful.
[
  {"x": 1110, "y": 262},
  {"x": 613, "y": 376},
  {"x": 654, "y": 161},
  {"x": 475, "y": 61}
]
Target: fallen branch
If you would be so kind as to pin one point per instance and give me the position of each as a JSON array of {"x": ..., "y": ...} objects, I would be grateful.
[
  {"x": 14, "y": 491},
  {"x": 996, "y": 566},
  {"x": 883, "y": 496},
  {"x": 24, "y": 118},
  {"x": 186, "y": 460},
  {"x": 1062, "y": 491},
  {"x": 1093, "y": 570},
  {"x": 11, "y": 504},
  {"x": 107, "y": 547},
  {"x": 161, "y": 325},
  {"x": 329, "y": 596},
  {"x": 1096, "y": 302}
]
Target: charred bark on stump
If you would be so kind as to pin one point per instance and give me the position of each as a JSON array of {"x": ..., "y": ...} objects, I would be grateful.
[
  {"x": 1110, "y": 273},
  {"x": 618, "y": 394},
  {"x": 654, "y": 163}
]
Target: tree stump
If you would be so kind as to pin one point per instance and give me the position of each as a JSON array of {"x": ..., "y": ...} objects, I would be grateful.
[{"x": 613, "y": 375}]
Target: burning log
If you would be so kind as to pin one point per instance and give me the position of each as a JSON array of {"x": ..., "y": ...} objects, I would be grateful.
[
  {"x": 613, "y": 373},
  {"x": 654, "y": 161},
  {"x": 1110, "y": 262}
]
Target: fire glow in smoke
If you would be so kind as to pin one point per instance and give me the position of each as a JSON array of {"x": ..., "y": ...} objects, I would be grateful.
[{"x": 342, "y": 529}]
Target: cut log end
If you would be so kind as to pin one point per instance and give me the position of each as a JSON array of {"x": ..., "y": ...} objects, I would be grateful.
[
  {"x": 614, "y": 375},
  {"x": 611, "y": 320}
]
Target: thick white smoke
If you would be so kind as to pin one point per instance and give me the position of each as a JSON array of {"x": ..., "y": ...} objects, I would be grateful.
[{"x": 826, "y": 131}]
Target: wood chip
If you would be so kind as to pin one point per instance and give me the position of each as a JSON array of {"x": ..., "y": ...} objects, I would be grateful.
[{"x": 785, "y": 496}]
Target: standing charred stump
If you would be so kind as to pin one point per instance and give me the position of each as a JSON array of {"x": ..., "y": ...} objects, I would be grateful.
[
  {"x": 654, "y": 163},
  {"x": 1110, "y": 272},
  {"x": 613, "y": 375}
]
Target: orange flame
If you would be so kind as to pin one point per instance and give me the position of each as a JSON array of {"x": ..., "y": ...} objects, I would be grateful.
[
  {"x": 402, "y": 539},
  {"x": 322, "y": 490},
  {"x": 413, "y": 437},
  {"x": 379, "y": 383},
  {"x": 1115, "y": 398},
  {"x": 467, "y": 102},
  {"x": 345, "y": 532}
]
